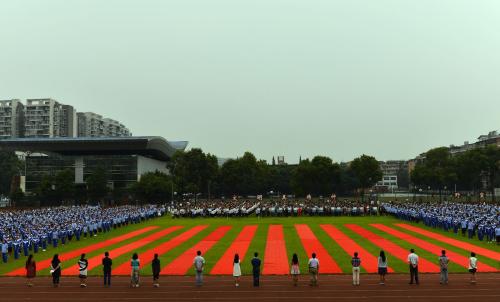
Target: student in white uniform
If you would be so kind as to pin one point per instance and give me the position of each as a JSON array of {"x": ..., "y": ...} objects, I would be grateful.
[
  {"x": 236, "y": 270},
  {"x": 472, "y": 267},
  {"x": 82, "y": 268},
  {"x": 314, "y": 269}
]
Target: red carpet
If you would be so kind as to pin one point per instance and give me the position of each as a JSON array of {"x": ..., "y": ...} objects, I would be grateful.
[
  {"x": 275, "y": 256},
  {"x": 454, "y": 257},
  {"x": 424, "y": 266},
  {"x": 463, "y": 245},
  {"x": 97, "y": 260},
  {"x": 184, "y": 262},
  {"x": 147, "y": 257},
  {"x": 311, "y": 245},
  {"x": 239, "y": 246},
  {"x": 368, "y": 261},
  {"x": 45, "y": 264}
]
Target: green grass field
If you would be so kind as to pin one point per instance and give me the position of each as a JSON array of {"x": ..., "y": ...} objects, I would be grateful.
[{"x": 292, "y": 241}]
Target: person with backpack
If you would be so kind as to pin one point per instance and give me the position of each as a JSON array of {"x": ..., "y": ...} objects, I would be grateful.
[
  {"x": 199, "y": 264},
  {"x": 443, "y": 268},
  {"x": 314, "y": 269},
  {"x": 156, "y": 267},
  {"x": 135, "y": 265},
  {"x": 82, "y": 268}
]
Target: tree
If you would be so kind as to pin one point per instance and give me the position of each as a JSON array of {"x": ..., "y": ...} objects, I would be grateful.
[
  {"x": 97, "y": 185},
  {"x": 320, "y": 176},
  {"x": 367, "y": 171},
  {"x": 245, "y": 176},
  {"x": 10, "y": 166},
  {"x": 194, "y": 171},
  {"x": 468, "y": 168},
  {"x": 492, "y": 166},
  {"x": 153, "y": 187},
  {"x": 56, "y": 190}
]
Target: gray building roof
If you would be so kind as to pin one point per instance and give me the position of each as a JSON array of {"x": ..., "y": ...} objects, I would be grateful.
[{"x": 151, "y": 146}]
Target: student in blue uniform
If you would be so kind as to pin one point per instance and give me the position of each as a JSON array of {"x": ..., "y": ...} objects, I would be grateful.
[{"x": 5, "y": 251}]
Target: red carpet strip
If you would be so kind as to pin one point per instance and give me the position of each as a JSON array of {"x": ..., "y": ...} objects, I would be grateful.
[
  {"x": 424, "y": 265},
  {"x": 239, "y": 246},
  {"x": 97, "y": 260},
  {"x": 457, "y": 243},
  {"x": 311, "y": 245},
  {"x": 454, "y": 257},
  {"x": 45, "y": 264},
  {"x": 147, "y": 257},
  {"x": 368, "y": 261},
  {"x": 184, "y": 262},
  {"x": 275, "y": 255}
]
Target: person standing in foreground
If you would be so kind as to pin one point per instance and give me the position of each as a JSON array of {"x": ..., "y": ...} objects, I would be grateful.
[
  {"x": 156, "y": 267},
  {"x": 199, "y": 264},
  {"x": 55, "y": 270},
  {"x": 382, "y": 267},
  {"x": 295, "y": 270},
  {"x": 413, "y": 262},
  {"x": 135, "y": 265},
  {"x": 82, "y": 268},
  {"x": 256, "y": 269},
  {"x": 472, "y": 267},
  {"x": 236, "y": 270},
  {"x": 356, "y": 262},
  {"x": 107, "y": 263},
  {"x": 314, "y": 269},
  {"x": 30, "y": 270},
  {"x": 443, "y": 267}
]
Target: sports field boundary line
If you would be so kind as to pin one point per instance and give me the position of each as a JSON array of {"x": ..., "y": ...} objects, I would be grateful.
[
  {"x": 96, "y": 260},
  {"x": 454, "y": 242},
  {"x": 432, "y": 248},
  {"x": 240, "y": 246},
  {"x": 181, "y": 265},
  {"x": 163, "y": 248},
  {"x": 368, "y": 261},
  {"x": 311, "y": 245},
  {"x": 275, "y": 255},
  {"x": 45, "y": 264},
  {"x": 397, "y": 251}
]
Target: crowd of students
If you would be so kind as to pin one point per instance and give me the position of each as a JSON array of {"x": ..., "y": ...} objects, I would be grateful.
[
  {"x": 281, "y": 207},
  {"x": 472, "y": 220},
  {"x": 199, "y": 262},
  {"x": 26, "y": 231}
]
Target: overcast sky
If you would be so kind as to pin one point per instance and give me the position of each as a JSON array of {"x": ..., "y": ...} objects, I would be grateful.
[{"x": 389, "y": 78}]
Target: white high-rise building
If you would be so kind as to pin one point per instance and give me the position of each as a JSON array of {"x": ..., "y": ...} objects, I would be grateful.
[
  {"x": 49, "y": 118},
  {"x": 11, "y": 119},
  {"x": 94, "y": 125}
]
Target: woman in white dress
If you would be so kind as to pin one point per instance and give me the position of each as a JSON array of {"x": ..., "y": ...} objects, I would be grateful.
[{"x": 236, "y": 270}]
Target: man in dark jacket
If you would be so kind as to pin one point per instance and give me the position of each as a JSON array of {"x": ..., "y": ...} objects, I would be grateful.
[
  {"x": 256, "y": 269},
  {"x": 155, "y": 265},
  {"x": 106, "y": 265}
]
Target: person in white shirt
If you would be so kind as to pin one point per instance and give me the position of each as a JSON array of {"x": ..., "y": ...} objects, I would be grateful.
[
  {"x": 236, "y": 270},
  {"x": 472, "y": 267},
  {"x": 314, "y": 269},
  {"x": 413, "y": 262}
]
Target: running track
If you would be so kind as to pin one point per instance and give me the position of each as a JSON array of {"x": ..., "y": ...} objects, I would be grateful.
[
  {"x": 97, "y": 260},
  {"x": 147, "y": 257},
  {"x": 463, "y": 245},
  {"x": 45, "y": 264},
  {"x": 454, "y": 257},
  {"x": 181, "y": 264},
  {"x": 368, "y": 261},
  {"x": 275, "y": 256},
  {"x": 239, "y": 246},
  {"x": 312, "y": 245},
  {"x": 424, "y": 266}
]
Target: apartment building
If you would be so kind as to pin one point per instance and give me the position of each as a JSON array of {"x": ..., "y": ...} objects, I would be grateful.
[{"x": 11, "y": 119}]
